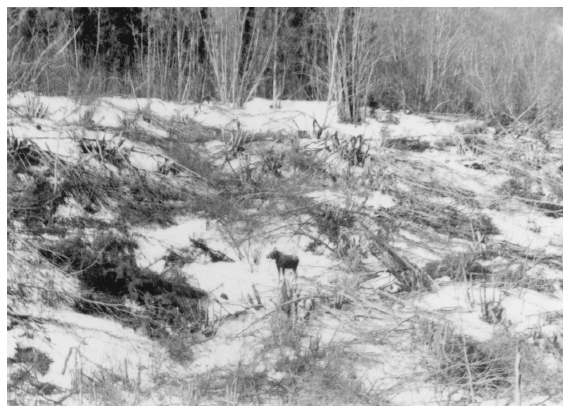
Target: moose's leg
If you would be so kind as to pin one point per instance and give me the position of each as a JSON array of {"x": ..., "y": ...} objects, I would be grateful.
[{"x": 294, "y": 268}]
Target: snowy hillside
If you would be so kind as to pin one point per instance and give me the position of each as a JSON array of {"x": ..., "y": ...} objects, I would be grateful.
[{"x": 430, "y": 256}]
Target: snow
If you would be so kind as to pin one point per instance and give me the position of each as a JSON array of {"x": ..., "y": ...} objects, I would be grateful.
[
  {"x": 150, "y": 128},
  {"x": 517, "y": 228},
  {"x": 524, "y": 309},
  {"x": 424, "y": 396},
  {"x": 234, "y": 279},
  {"x": 382, "y": 280},
  {"x": 228, "y": 347},
  {"x": 527, "y": 308},
  {"x": 144, "y": 161},
  {"x": 372, "y": 200},
  {"x": 69, "y": 209},
  {"x": 380, "y": 200},
  {"x": 94, "y": 342},
  {"x": 328, "y": 196}
]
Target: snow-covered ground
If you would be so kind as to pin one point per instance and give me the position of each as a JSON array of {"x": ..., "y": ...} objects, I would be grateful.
[{"x": 74, "y": 339}]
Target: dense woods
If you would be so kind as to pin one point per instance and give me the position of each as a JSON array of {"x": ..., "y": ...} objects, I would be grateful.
[{"x": 498, "y": 64}]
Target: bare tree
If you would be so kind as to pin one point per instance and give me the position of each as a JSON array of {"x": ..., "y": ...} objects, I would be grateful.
[{"x": 239, "y": 51}]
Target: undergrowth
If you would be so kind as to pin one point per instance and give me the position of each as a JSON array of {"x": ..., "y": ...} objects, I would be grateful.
[
  {"x": 484, "y": 369},
  {"x": 407, "y": 144},
  {"x": 459, "y": 267},
  {"x": 460, "y": 362},
  {"x": 521, "y": 187},
  {"x": 138, "y": 198},
  {"x": 444, "y": 219},
  {"x": 531, "y": 194},
  {"x": 109, "y": 274},
  {"x": 25, "y": 371},
  {"x": 243, "y": 203}
]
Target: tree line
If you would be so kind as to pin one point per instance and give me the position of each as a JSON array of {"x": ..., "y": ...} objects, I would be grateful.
[{"x": 502, "y": 64}]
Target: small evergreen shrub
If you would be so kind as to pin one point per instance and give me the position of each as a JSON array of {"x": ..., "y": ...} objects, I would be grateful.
[
  {"x": 109, "y": 274},
  {"x": 331, "y": 220},
  {"x": 37, "y": 360},
  {"x": 407, "y": 144},
  {"x": 471, "y": 128},
  {"x": 520, "y": 187},
  {"x": 457, "y": 267}
]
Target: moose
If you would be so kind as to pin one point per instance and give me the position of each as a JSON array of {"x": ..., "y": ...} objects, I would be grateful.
[{"x": 284, "y": 262}]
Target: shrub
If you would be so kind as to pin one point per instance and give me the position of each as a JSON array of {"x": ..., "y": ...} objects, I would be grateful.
[
  {"x": 324, "y": 377},
  {"x": 474, "y": 140},
  {"x": 550, "y": 210},
  {"x": 34, "y": 108},
  {"x": 139, "y": 198},
  {"x": 39, "y": 362},
  {"x": 407, "y": 144},
  {"x": 304, "y": 162},
  {"x": 188, "y": 130},
  {"x": 463, "y": 363},
  {"x": 443, "y": 143},
  {"x": 24, "y": 385},
  {"x": 520, "y": 187},
  {"x": 457, "y": 267},
  {"x": 444, "y": 219},
  {"x": 179, "y": 346},
  {"x": 189, "y": 157},
  {"x": 273, "y": 162},
  {"x": 87, "y": 118},
  {"x": 108, "y": 270},
  {"x": 471, "y": 128},
  {"x": 36, "y": 203},
  {"x": 388, "y": 99},
  {"x": 23, "y": 153},
  {"x": 331, "y": 220}
]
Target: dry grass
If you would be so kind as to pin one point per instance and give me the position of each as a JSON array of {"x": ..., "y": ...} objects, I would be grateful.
[
  {"x": 459, "y": 362},
  {"x": 484, "y": 369},
  {"x": 444, "y": 219},
  {"x": 247, "y": 206}
]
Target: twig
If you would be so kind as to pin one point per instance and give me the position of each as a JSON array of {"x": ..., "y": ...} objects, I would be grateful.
[
  {"x": 67, "y": 359},
  {"x": 468, "y": 367},
  {"x": 517, "y": 387},
  {"x": 257, "y": 296}
]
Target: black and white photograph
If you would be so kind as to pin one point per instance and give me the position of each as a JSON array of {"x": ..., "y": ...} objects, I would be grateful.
[{"x": 284, "y": 206}]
